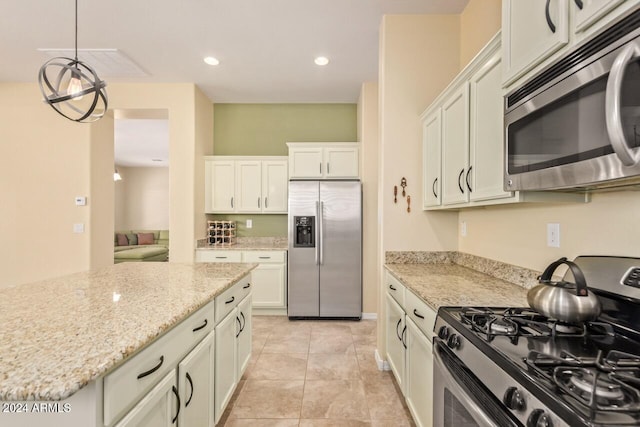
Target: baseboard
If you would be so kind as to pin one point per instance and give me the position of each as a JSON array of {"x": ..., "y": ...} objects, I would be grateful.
[
  {"x": 369, "y": 316},
  {"x": 383, "y": 365}
]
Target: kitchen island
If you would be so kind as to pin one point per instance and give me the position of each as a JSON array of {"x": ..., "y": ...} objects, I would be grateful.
[{"x": 63, "y": 335}]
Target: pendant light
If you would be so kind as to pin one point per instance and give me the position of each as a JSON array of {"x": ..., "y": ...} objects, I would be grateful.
[{"x": 72, "y": 87}]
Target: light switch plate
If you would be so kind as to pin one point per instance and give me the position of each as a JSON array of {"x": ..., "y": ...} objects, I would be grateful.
[
  {"x": 78, "y": 228},
  {"x": 81, "y": 200}
]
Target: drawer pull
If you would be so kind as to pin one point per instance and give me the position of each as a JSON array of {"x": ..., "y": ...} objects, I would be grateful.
[
  {"x": 415, "y": 313},
  {"x": 175, "y": 391},
  {"x": 392, "y": 288},
  {"x": 201, "y": 326},
  {"x": 191, "y": 395},
  {"x": 152, "y": 370},
  {"x": 247, "y": 286},
  {"x": 221, "y": 257},
  {"x": 264, "y": 257},
  {"x": 230, "y": 301}
]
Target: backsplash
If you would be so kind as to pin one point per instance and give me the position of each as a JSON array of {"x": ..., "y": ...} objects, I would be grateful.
[{"x": 517, "y": 275}]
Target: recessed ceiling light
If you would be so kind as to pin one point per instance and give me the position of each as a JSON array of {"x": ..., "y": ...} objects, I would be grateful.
[
  {"x": 321, "y": 60},
  {"x": 211, "y": 60},
  {"x": 156, "y": 160}
]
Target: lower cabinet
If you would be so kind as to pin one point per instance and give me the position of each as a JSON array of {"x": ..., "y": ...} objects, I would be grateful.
[
  {"x": 196, "y": 385},
  {"x": 409, "y": 333},
  {"x": 158, "y": 408},
  {"x": 243, "y": 335}
]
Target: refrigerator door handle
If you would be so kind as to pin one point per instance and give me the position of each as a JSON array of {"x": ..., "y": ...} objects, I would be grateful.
[
  {"x": 318, "y": 217},
  {"x": 321, "y": 216}
]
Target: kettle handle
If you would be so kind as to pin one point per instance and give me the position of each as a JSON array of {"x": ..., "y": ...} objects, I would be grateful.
[{"x": 581, "y": 282}]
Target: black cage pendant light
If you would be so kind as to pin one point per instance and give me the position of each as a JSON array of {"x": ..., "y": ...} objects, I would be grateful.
[{"x": 72, "y": 87}]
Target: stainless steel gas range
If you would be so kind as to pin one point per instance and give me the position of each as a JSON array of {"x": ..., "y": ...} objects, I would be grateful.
[{"x": 514, "y": 367}]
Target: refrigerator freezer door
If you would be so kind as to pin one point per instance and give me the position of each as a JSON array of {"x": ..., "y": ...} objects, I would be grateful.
[
  {"x": 340, "y": 247},
  {"x": 303, "y": 298}
]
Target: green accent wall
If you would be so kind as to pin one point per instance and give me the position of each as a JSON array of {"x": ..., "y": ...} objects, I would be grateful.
[{"x": 264, "y": 130}]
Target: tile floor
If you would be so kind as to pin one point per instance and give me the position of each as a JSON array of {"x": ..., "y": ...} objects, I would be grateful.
[{"x": 315, "y": 373}]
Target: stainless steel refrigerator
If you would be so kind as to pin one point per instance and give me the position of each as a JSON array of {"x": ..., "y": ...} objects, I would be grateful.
[{"x": 325, "y": 249}]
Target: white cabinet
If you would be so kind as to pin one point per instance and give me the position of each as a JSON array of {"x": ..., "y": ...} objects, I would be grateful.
[
  {"x": 158, "y": 408},
  {"x": 531, "y": 32},
  {"x": 395, "y": 339},
  {"x": 419, "y": 378},
  {"x": 330, "y": 160},
  {"x": 455, "y": 145},
  {"x": 268, "y": 280},
  {"x": 591, "y": 12},
  {"x": 246, "y": 184},
  {"x": 243, "y": 334},
  {"x": 432, "y": 142},
  {"x": 196, "y": 385},
  {"x": 225, "y": 362}
]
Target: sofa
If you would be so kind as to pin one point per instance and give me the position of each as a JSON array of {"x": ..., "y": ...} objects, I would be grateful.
[{"x": 128, "y": 247}]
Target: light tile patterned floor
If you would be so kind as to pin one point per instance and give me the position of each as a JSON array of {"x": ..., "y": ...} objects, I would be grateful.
[{"x": 315, "y": 373}]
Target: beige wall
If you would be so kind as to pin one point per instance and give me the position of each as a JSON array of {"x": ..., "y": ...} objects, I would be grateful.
[
  {"x": 368, "y": 138},
  {"x": 142, "y": 199},
  {"x": 203, "y": 146},
  {"x": 479, "y": 21}
]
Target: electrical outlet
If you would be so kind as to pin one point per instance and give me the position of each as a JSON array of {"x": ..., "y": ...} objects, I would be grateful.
[
  {"x": 81, "y": 201},
  {"x": 249, "y": 223},
  {"x": 463, "y": 228},
  {"x": 78, "y": 228},
  {"x": 553, "y": 235}
]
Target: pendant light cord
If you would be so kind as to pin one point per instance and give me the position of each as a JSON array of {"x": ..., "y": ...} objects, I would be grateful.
[{"x": 76, "y": 31}]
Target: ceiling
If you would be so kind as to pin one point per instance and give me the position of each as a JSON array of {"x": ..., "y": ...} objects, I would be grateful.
[
  {"x": 265, "y": 47},
  {"x": 141, "y": 142}
]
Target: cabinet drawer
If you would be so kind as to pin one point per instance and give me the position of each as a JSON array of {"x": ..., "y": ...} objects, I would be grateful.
[
  {"x": 128, "y": 383},
  {"x": 263, "y": 257},
  {"x": 395, "y": 289},
  {"x": 421, "y": 314},
  {"x": 229, "y": 299},
  {"x": 208, "y": 255}
]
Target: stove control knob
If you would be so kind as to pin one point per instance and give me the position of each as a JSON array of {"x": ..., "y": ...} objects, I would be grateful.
[
  {"x": 514, "y": 399},
  {"x": 453, "y": 341},
  {"x": 443, "y": 332},
  {"x": 538, "y": 418}
]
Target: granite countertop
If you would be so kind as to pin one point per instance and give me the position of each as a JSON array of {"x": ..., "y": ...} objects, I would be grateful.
[
  {"x": 249, "y": 244},
  {"x": 60, "y": 334},
  {"x": 448, "y": 284}
]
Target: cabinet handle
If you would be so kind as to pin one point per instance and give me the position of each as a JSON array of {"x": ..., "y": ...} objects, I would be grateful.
[
  {"x": 266, "y": 202},
  {"x": 201, "y": 326},
  {"x": 460, "y": 181},
  {"x": 247, "y": 286},
  {"x": 415, "y": 313},
  {"x": 240, "y": 324},
  {"x": 398, "y": 333},
  {"x": 433, "y": 188},
  {"x": 221, "y": 257},
  {"x": 327, "y": 168},
  {"x": 175, "y": 391},
  {"x": 579, "y": 4},
  {"x": 550, "y": 23},
  {"x": 264, "y": 257},
  {"x": 244, "y": 321},
  {"x": 404, "y": 334},
  {"x": 467, "y": 178},
  {"x": 392, "y": 288},
  {"x": 152, "y": 370},
  {"x": 320, "y": 168},
  {"x": 231, "y": 202},
  {"x": 230, "y": 301},
  {"x": 258, "y": 201},
  {"x": 191, "y": 395}
]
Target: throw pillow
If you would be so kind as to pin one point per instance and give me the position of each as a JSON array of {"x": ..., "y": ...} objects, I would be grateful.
[
  {"x": 122, "y": 240},
  {"x": 145, "y": 238},
  {"x": 133, "y": 239}
]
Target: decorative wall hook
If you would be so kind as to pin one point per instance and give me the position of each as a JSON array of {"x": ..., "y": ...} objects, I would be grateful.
[
  {"x": 403, "y": 184},
  {"x": 395, "y": 194}
]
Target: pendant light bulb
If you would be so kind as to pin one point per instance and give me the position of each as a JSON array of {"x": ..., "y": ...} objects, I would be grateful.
[{"x": 75, "y": 86}]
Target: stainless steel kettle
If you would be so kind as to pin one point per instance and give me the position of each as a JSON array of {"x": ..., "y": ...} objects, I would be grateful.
[{"x": 564, "y": 301}]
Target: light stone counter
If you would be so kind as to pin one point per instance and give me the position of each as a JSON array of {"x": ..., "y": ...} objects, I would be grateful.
[
  {"x": 444, "y": 283},
  {"x": 249, "y": 244},
  {"x": 58, "y": 335}
]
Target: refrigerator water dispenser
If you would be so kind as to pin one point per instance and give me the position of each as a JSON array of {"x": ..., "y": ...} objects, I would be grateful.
[{"x": 304, "y": 232}]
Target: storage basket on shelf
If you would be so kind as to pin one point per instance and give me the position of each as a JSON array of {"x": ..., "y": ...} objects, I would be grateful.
[{"x": 221, "y": 233}]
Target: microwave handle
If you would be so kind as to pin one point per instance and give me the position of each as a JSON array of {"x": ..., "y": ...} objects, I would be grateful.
[{"x": 614, "y": 116}]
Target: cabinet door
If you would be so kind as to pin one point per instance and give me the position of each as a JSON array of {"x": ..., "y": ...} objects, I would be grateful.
[
  {"x": 220, "y": 186},
  {"x": 455, "y": 146},
  {"x": 531, "y": 32},
  {"x": 275, "y": 187},
  {"x": 591, "y": 12},
  {"x": 419, "y": 383},
  {"x": 431, "y": 144},
  {"x": 196, "y": 384},
  {"x": 249, "y": 186},
  {"x": 157, "y": 408},
  {"x": 341, "y": 162},
  {"x": 394, "y": 338},
  {"x": 225, "y": 362},
  {"x": 484, "y": 178},
  {"x": 305, "y": 162},
  {"x": 268, "y": 282},
  {"x": 243, "y": 332}
]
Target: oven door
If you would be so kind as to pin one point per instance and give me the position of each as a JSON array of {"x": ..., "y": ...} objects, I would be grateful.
[{"x": 460, "y": 399}]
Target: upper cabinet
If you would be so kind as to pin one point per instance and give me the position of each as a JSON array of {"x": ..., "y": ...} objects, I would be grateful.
[
  {"x": 246, "y": 184},
  {"x": 330, "y": 160},
  {"x": 536, "y": 33}
]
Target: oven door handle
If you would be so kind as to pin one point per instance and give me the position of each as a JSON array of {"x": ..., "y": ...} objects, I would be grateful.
[
  {"x": 458, "y": 390},
  {"x": 612, "y": 102}
]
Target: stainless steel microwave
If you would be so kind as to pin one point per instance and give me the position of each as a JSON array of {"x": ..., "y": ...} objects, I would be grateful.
[{"x": 576, "y": 125}]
